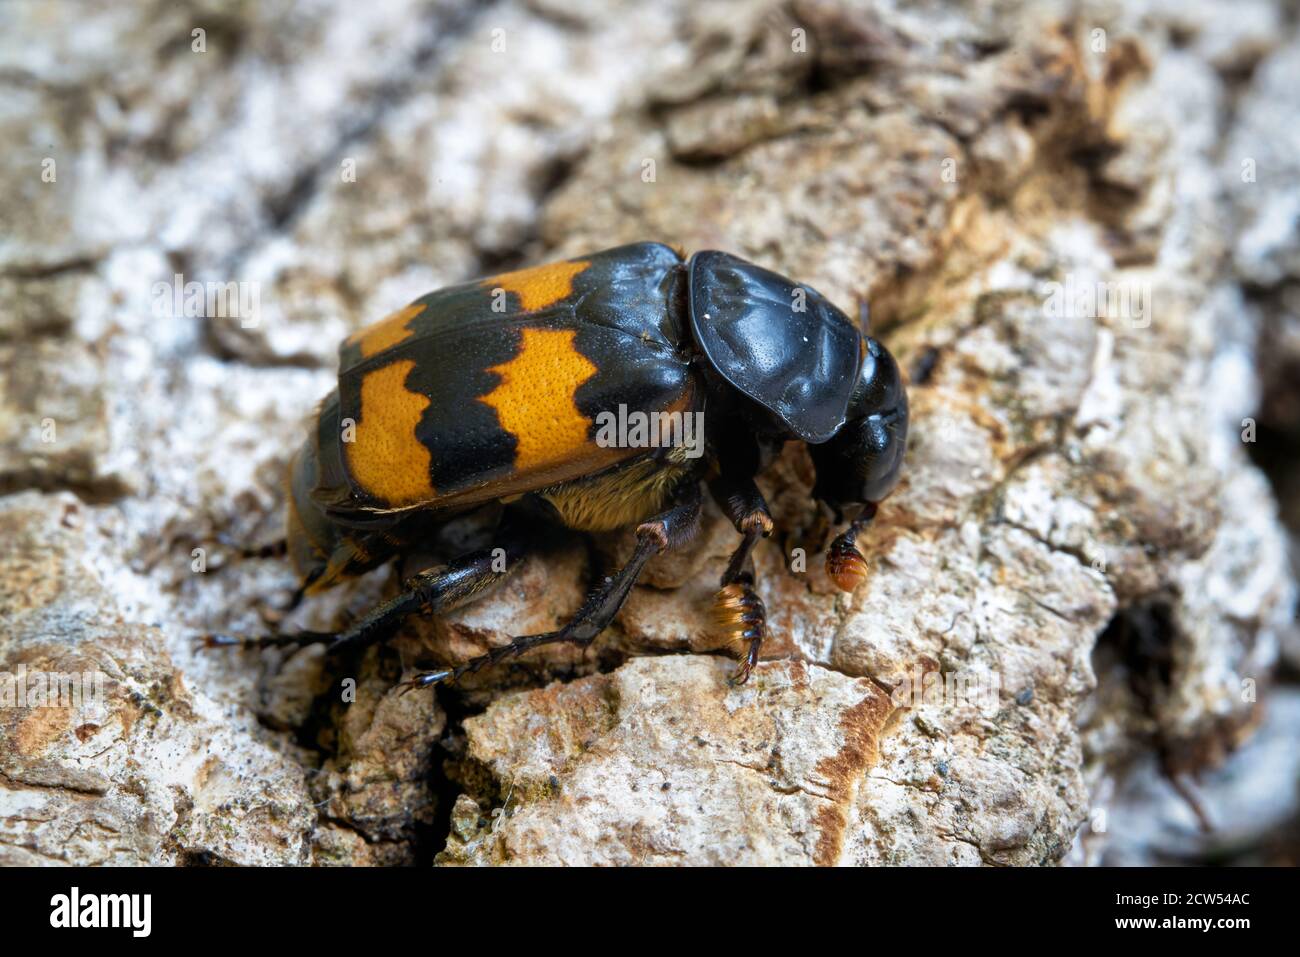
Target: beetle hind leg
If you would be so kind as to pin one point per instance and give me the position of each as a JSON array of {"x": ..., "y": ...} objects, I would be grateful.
[
  {"x": 437, "y": 590},
  {"x": 295, "y": 639},
  {"x": 671, "y": 529}
]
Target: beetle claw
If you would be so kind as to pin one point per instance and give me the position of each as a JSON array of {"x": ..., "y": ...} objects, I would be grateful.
[
  {"x": 741, "y": 675},
  {"x": 424, "y": 680},
  {"x": 219, "y": 641}
]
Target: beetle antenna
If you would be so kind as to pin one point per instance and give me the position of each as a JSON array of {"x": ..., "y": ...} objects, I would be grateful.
[{"x": 864, "y": 314}]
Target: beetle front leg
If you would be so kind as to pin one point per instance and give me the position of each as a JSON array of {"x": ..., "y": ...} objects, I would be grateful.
[
  {"x": 742, "y": 503},
  {"x": 670, "y": 530},
  {"x": 739, "y": 615}
]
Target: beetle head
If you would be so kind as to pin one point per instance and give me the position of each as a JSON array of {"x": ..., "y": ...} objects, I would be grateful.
[{"x": 861, "y": 463}]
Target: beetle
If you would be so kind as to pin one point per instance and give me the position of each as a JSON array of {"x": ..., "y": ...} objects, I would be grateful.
[{"x": 504, "y": 392}]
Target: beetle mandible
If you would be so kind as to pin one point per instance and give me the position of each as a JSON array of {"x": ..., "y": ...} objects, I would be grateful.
[{"x": 500, "y": 393}]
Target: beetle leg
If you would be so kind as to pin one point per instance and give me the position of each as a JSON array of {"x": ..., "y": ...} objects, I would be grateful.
[
  {"x": 436, "y": 590},
  {"x": 432, "y": 592},
  {"x": 739, "y": 615},
  {"x": 275, "y": 640},
  {"x": 669, "y": 530},
  {"x": 743, "y": 504},
  {"x": 276, "y": 549},
  {"x": 844, "y": 562}
]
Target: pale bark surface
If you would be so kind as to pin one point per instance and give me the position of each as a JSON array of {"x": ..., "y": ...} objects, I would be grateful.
[{"x": 1080, "y": 520}]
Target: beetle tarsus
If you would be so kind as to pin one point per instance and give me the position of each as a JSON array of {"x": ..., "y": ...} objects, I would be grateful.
[
  {"x": 278, "y": 548},
  {"x": 740, "y": 619},
  {"x": 746, "y": 667},
  {"x": 518, "y": 646},
  {"x": 426, "y": 679},
  {"x": 747, "y": 664},
  {"x": 220, "y": 641},
  {"x": 845, "y": 563},
  {"x": 278, "y": 640}
]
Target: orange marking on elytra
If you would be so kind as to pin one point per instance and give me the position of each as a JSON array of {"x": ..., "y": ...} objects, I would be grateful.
[
  {"x": 535, "y": 399},
  {"x": 540, "y": 286},
  {"x": 385, "y": 458},
  {"x": 387, "y": 332}
]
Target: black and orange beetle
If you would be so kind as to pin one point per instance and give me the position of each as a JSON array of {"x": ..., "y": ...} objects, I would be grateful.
[{"x": 502, "y": 393}]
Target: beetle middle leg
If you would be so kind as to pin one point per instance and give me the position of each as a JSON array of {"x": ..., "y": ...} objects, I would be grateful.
[
  {"x": 666, "y": 531},
  {"x": 738, "y": 612}
]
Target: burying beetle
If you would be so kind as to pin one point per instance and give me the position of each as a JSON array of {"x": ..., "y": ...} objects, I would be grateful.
[{"x": 505, "y": 392}]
